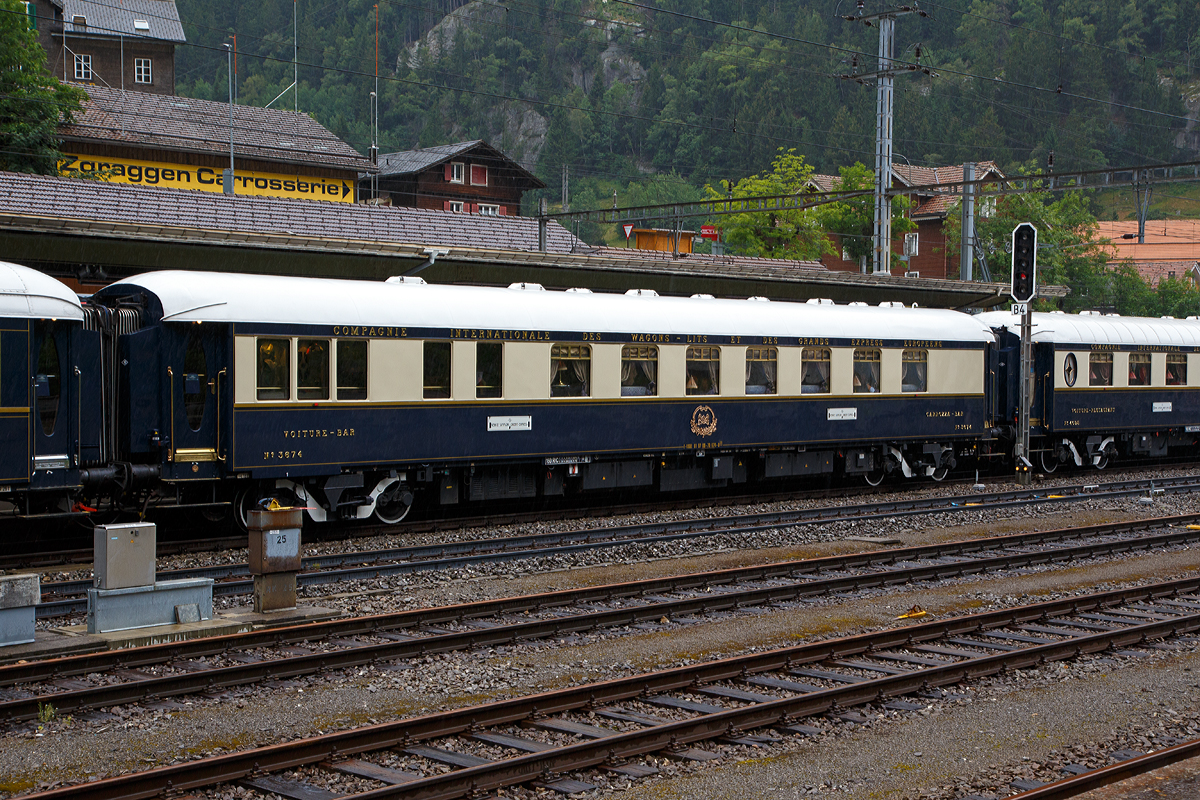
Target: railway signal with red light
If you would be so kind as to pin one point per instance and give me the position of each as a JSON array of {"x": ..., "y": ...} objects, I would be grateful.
[{"x": 1024, "y": 263}]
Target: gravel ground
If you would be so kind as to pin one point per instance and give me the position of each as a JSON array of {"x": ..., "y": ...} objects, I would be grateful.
[{"x": 135, "y": 737}]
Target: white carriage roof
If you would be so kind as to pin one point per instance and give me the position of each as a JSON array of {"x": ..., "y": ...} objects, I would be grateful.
[
  {"x": 1097, "y": 329},
  {"x": 225, "y": 297},
  {"x": 28, "y": 294}
]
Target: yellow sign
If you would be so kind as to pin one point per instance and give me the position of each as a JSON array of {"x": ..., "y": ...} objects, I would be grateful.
[{"x": 208, "y": 179}]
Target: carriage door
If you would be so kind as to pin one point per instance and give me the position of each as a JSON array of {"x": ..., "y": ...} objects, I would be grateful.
[
  {"x": 198, "y": 379},
  {"x": 56, "y": 404}
]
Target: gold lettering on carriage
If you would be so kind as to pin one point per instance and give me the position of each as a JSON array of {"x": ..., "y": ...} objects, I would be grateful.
[
  {"x": 516, "y": 336},
  {"x": 374, "y": 332},
  {"x": 704, "y": 421}
]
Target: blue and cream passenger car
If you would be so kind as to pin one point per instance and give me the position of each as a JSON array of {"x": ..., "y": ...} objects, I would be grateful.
[
  {"x": 43, "y": 407},
  {"x": 1106, "y": 385},
  {"x": 353, "y": 396}
]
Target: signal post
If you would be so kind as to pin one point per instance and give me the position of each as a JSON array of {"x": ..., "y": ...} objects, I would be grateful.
[{"x": 1024, "y": 290}]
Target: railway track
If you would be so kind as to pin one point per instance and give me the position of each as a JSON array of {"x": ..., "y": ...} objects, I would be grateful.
[
  {"x": 338, "y": 644},
  {"x": 370, "y": 565},
  {"x": 612, "y": 725},
  {"x": 70, "y": 556}
]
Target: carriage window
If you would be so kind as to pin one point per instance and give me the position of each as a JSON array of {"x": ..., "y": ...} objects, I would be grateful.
[
  {"x": 814, "y": 371},
  {"x": 570, "y": 370},
  {"x": 1176, "y": 369},
  {"x": 489, "y": 369},
  {"x": 760, "y": 369},
  {"x": 352, "y": 369},
  {"x": 195, "y": 380},
  {"x": 866, "y": 371},
  {"x": 1139, "y": 369},
  {"x": 915, "y": 377},
  {"x": 48, "y": 383},
  {"x": 437, "y": 370},
  {"x": 639, "y": 371},
  {"x": 703, "y": 370},
  {"x": 274, "y": 369},
  {"x": 312, "y": 369},
  {"x": 1100, "y": 373}
]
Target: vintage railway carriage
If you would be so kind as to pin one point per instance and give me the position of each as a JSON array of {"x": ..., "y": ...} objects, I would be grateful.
[
  {"x": 1105, "y": 385},
  {"x": 49, "y": 416},
  {"x": 353, "y": 396}
]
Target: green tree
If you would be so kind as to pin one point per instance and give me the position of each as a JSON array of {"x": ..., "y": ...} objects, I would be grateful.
[
  {"x": 32, "y": 101},
  {"x": 773, "y": 232},
  {"x": 853, "y": 220}
]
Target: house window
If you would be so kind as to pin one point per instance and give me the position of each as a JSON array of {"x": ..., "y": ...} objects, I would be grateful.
[
  {"x": 456, "y": 172},
  {"x": 489, "y": 211},
  {"x": 83, "y": 67},
  {"x": 455, "y": 206},
  {"x": 31, "y": 13},
  {"x": 479, "y": 175},
  {"x": 142, "y": 72}
]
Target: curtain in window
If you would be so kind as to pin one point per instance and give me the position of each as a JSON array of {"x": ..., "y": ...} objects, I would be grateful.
[{"x": 581, "y": 372}]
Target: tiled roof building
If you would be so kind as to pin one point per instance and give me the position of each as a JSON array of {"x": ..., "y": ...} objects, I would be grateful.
[
  {"x": 1171, "y": 248},
  {"x": 123, "y": 44},
  {"x": 929, "y": 209},
  {"x": 182, "y": 135},
  {"x": 466, "y": 177}
]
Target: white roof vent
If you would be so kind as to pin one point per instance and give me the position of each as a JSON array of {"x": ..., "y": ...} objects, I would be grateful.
[
  {"x": 1112, "y": 315},
  {"x": 760, "y": 299},
  {"x": 1193, "y": 318},
  {"x": 818, "y": 301},
  {"x": 1089, "y": 313},
  {"x": 857, "y": 303},
  {"x": 577, "y": 290},
  {"x": 641, "y": 293},
  {"x": 407, "y": 280},
  {"x": 1168, "y": 316},
  {"x": 141, "y": 25},
  {"x": 914, "y": 305},
  {"x": 527, "y": 287},
  {"x": 890, "y": 304},
  {"x": 1058, "y": 312},
  {"x": 703, "y": 297}
]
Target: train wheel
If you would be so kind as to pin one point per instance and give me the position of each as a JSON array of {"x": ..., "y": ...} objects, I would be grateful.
[
  {"x": 1103, "y": 462},
  {"x": 1049, "y": 461},
  {"x": 940, "y": 474},
  {"x": 394, "y": 504},
  {"x": 873, "y": 478}
]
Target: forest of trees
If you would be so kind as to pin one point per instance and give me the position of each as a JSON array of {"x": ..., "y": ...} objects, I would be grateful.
[{"x": 657, "y": 99}]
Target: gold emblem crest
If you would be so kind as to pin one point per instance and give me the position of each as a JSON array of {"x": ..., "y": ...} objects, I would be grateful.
[{"x": 704, "y": 421}]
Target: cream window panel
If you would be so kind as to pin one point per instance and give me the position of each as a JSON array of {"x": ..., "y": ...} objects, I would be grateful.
[
  {"x": 788, "y": 373},
  {"x": 606, "y": 370},
  {"x": 961, "y": 371},
  {"x": 394, "y": 370},
  {"x": 243, "y": 369},
  {"x": 1081, "y": 369},
  {"x": 733, "y": 371},
  {"x": 672, "y": 370},
  {"x": 527, "y": 370},
  {"x": 1120, "y": 369},
  {"x": 1193, "y": 369},
  {"x": 891, "y": 368},
  {"x": 841, "y": 370},
  {"x": 462, "y": 370},
  {"x": 1158, "y": 369}
]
